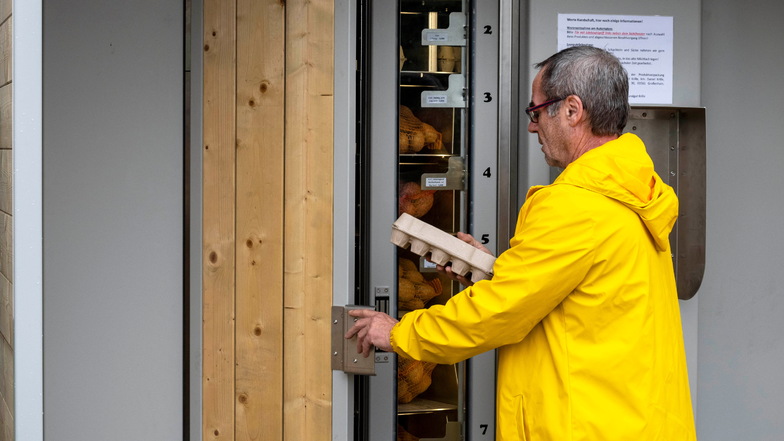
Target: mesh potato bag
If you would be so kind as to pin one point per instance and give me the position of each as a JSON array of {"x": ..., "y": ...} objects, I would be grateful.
[
  {"x": 415, "y": 135},
  {"x": 413, "y": 200},
  {"x": 413, "y": 378},
  {"x": 414, "y": 291}
]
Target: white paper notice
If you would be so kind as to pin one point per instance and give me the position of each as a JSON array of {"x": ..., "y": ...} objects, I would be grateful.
[{"x": 642, "y": 43}]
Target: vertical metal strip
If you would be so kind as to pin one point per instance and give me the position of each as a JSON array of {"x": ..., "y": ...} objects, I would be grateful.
[{"x": 508, "y": 119}]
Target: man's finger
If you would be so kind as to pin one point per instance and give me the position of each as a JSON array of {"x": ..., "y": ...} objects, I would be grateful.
[
  {"x": 352, "y": 332},
  {"x": 363, "y": 313}
]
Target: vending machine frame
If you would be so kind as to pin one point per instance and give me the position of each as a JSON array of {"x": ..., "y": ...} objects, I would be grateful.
[{"x": 366, "y": 404}]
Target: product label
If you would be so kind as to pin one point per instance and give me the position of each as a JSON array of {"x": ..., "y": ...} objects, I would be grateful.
[
  {"x": 435, "y": 37},
  {"x": 435, "y": 182},
  {"x": 436, "y": 99}
]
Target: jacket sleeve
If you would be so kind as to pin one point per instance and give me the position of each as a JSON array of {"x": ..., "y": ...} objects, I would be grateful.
[{"x": 550, "y": 253}]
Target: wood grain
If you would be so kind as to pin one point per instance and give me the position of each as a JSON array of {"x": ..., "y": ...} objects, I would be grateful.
[
  {"x": 5, "y": 9},
  {"x": 6, "y": 311},
  {"x": 218, "y": 219},
  {"x": 6, "y": 119},
  {"x": 260, "y": 137},
  {"x": 6, "y": 181},
  {"x": 7, "y": 247},
  {"x": 6, "y": 225},
  {"x": 308, "y": 201},
  {"x": 6, "y": 44}
]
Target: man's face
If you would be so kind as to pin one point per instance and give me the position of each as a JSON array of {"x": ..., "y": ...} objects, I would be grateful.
[{"x": 549, "y": 129}]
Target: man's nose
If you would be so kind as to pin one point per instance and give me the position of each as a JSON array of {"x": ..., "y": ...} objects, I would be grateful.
[{"x": 533, "y": 127}]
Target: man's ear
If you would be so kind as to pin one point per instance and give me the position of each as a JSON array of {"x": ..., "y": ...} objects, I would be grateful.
[{"x": 575, "y": 112}]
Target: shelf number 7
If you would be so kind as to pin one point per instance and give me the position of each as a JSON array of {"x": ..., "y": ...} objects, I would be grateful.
[{"x": 484, "y": 428}]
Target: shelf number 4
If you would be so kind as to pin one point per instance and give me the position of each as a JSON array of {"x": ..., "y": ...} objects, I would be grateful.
[{"x": 487, "y": 173}]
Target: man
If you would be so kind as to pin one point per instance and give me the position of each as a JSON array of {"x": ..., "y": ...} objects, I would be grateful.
[{"x": 583, "y": 306}]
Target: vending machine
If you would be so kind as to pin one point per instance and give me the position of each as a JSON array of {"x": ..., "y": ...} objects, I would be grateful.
[
  {"x": 427, "y": 144},
  {"x": 431, "y": 126}
]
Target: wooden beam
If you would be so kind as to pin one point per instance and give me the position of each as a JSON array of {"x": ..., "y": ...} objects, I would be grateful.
[
  {"x": 7, "y": 375},
  {"x": 6, "y": 60},
  {"x": 260, "y": 137},
  {"x": 218, "y": 219},
  {"x": 7, "y": 246},
  {"x": 308, "y": 201},
  {"x": 7, "y": 311},
  {"x": 6, "y": 181},
  {"x": 5, "y": 9},
  {"x": 6, "y": 119}
]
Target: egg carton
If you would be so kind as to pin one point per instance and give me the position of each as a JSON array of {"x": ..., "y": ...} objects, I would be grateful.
[{"x": 442, "y": 246}]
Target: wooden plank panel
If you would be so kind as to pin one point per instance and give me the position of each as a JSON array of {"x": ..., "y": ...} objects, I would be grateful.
[
  {"x": 5, "y": 9},
  {"x": 6, "y": 181},
  {"x": 218, "y": 219},
  {"x": 7, "y": 374},
  {"x": 7, "y": 247},
  {"x": 308, "y": 264},
  {"x": 7, "y": 310},
  {"x": 6, "y": 127},
  {"x": 260, "y": 125},
  {"x": 6, "y": 60},
  {"x": 6, "y": 422}
]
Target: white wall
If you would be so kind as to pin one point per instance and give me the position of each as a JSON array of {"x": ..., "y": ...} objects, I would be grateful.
[
  {"x": 28, "y": 225},
  {"x": 113, "y": 234},
  {"x": 741, "y": 329}
]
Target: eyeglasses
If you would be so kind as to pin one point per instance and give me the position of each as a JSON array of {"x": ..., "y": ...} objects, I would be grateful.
[{"x": 532, "y": 113}]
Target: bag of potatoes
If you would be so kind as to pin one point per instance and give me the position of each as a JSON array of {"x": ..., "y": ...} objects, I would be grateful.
[{"x": 415, "y": 134}]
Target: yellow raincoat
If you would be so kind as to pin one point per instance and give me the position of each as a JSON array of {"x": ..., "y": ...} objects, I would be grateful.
[{"x": 583, "y": 309}]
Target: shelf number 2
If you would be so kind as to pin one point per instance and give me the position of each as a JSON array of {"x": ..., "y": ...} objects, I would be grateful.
[
  {"x": 484, "y": 428},
  {"x": 488, "y": 29}
]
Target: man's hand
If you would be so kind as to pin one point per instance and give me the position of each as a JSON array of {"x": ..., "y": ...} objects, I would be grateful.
[
  {"x": 469, "y": 239},
  {"x": 372, "y": 328}
]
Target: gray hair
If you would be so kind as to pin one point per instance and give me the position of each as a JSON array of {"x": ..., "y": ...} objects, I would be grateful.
[{"x": 597, "y": 77}]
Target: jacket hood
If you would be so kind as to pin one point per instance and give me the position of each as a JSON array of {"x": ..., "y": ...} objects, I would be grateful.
[{"x": 622, "y": 170}]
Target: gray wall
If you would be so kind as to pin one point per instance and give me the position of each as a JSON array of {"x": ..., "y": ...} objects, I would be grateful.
[
  {"x": 741, "y": 330},
  {"x": 113, "y": 224},
  {"x": 729, "y": 56},
  {"x": 539, "y": 40}
]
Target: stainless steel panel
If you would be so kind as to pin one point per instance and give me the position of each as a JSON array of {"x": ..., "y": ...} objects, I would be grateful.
[
  {"x": 489, "y": 178},
  {"x": 675, "y": 139},
  {"x": 381, "y": 195}
]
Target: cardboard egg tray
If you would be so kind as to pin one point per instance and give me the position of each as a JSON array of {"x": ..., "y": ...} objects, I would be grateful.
[{"x": 442, "y": 246}]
